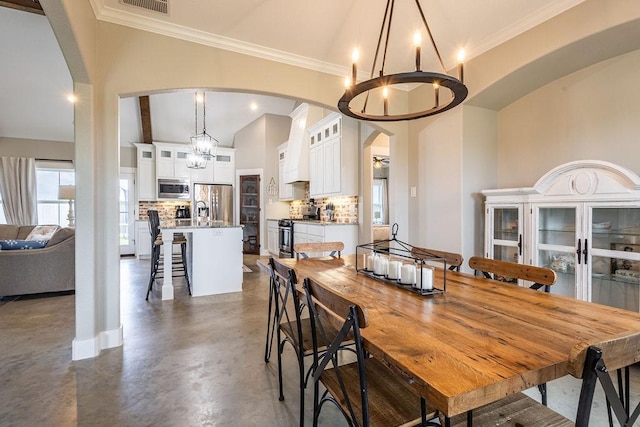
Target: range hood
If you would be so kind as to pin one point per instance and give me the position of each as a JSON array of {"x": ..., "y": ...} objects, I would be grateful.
[{"x": 296, "y": 162}]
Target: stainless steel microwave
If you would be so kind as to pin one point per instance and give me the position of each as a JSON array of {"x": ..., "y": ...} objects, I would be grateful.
[{"x": 173, "y": 188}]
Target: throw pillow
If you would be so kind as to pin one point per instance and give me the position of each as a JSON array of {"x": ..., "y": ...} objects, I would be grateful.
[
  {"x": 42, "y": 232},
  {"x": 22, "y": 244}
]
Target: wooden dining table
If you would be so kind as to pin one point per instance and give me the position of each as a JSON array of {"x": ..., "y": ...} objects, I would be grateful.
[{"x": 476, "y": 343}]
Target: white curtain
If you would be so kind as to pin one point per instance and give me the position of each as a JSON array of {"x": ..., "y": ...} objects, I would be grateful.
[{"x": 18, "y": 190}]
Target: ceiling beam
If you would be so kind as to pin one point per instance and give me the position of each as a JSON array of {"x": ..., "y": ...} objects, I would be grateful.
[
  {"x": 145, "y": 119},
  {"x": 32, "y": 6}
]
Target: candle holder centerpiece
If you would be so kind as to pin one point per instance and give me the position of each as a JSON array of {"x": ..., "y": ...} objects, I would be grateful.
[{"x": 401, "y": 264}]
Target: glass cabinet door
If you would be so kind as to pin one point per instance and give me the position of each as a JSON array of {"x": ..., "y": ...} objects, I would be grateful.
[
  {"x": 555, "y": 245},
  {"x": 506, "y": 233},
  {"x": 250, "y": 213},
  {"x": 614, "y": 264}
]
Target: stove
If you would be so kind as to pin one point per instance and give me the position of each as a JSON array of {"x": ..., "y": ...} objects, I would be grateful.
[{"x": 285, "y": 233}]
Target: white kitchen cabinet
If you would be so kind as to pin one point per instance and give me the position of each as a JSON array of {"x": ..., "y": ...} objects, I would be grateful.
[
  {"x": 224, "y": 166},
  {"x": 582, "y": 220},
  {"x": 273, "y": 243},
  {"x": 316, "y": 170},
  {"x": 333, "y": 150},
  {"x": 146, "y": 172},
  {"x": 308, "y": 231},
  {"x": 143, "y": 240},
  {"x": 286, "y": 191},
  {"x": 171, "y": 160}
]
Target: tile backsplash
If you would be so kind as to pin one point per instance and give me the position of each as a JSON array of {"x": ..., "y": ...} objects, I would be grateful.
[
  {"x": 345, "y": 212},
  {"x": 166, "y": 208}
]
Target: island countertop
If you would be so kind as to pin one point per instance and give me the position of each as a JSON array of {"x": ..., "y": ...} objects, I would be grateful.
[{"x": 180, "y": 224}]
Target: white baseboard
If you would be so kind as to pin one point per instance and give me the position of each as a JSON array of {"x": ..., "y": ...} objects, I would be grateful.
[
  {"x": 84, "y": 349},
  {"x": 89, "y": 348},
  {"x": 112, "y": 338}
]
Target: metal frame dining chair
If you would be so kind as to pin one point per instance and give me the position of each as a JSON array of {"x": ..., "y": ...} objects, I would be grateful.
[
  {"x": 304, "y": 249},
  {"x": 591, "y": 363},
  {"x": 292, "y": 328},
  {"x": 366, "y": 392},
  {"x": 453, "y": 260},
  {"x": 498, "y": 270}
]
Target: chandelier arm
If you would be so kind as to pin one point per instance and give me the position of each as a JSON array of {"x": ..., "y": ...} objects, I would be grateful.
[
  {"x": 375, "y": 57},
  {"x": 424, "y": 20},
  {"x": 195, "y": 104},
  {"x": 386, "y": 42},
  {"x": 204, "y": 112}
]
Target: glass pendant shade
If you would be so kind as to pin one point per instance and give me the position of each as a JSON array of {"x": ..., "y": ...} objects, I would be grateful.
[
  {"x": 196, "y": 161},
  {"x": 203, "y": 145}
]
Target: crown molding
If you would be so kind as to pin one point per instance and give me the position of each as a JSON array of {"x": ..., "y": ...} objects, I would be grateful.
[{"x": 157, "y": 26}]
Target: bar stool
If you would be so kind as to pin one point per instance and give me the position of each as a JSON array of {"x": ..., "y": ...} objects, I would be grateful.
[{"x": 157, "y": 261}]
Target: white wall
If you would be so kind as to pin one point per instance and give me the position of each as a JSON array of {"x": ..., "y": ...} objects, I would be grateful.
[
  {"x": 591, "y": 114},
  {"x": 53, "y": 150},
  {"x": 440, "y": 183},
  {"x": 479, "y": 172},
  {"x": 256, "y": 148}
]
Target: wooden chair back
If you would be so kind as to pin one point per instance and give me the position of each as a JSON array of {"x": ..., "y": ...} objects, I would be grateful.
[
  {"x": 453, "y": 260},
  {"x": 492, "y": 268},
  {"x": 618, "y": 352},
  {"x": 328, "y": 307},
  {"x": 304, "y": 249},
  {"x": 333, "y": 305},
  {"x": 154, "y": 224},
  {"x": 593, "y": 362},
  {"x": 284, "y": 283}
]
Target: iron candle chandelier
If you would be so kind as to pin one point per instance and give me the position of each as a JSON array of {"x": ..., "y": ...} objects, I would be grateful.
[{"x": 457, "y": 88}]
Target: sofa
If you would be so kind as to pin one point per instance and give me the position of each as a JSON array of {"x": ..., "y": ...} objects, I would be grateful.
[{"x": 34, "y": 271}]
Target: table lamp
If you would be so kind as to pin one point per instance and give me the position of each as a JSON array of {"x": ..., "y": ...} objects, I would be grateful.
[{"x": 68, "y": 192}]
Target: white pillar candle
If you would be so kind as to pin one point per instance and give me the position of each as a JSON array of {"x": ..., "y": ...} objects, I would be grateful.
[
  {"x": 425, "y": 280},
  {"x": 394, "y": 270},
  {"x": 408, "y": 274},
  {"x": 380, "y": 266},
  {"x": 370, "y": 261}
]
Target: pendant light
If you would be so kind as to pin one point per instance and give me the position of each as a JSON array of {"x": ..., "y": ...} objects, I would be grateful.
[
  {"x": 203, "y": 144},
  {"x": 384, "y": 81}
]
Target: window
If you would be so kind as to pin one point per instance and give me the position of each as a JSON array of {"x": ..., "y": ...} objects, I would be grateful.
[
  {"x": 379, "y": 201},
  {"x": 49, "y": 176}
]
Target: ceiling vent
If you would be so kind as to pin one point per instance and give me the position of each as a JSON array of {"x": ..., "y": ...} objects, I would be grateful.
[{"x": 153, "y": 5}]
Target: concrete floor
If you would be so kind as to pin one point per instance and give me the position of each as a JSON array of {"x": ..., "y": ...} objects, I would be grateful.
[{"x": 187, "y": 362}]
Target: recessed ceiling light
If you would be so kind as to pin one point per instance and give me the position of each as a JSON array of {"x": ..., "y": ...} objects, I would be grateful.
[
  {"x": 72, "y": 98},
  {"x": 254, "y": 106}
]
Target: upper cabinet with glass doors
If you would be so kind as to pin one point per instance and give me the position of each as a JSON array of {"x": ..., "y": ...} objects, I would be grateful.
[{"x": 582, "y": 220}]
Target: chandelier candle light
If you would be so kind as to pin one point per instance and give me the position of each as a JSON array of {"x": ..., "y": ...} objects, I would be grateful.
[{"x": 458, "y": 90}]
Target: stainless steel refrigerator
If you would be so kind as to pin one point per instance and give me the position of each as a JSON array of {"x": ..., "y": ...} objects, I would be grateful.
[{"x": 212, "y": 202}]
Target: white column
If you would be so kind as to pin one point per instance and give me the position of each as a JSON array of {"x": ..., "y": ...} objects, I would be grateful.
[{"x": 167, "y": 247}]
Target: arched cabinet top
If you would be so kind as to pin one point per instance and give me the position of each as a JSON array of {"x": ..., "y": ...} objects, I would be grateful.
[{"x": 578, "y": 180}]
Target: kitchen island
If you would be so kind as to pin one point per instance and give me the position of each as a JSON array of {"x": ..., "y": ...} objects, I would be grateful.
[{"x": 214, "y": 256}]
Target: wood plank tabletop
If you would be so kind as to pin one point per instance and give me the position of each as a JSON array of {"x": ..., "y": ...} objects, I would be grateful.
[{"x": 476, "y": 343}]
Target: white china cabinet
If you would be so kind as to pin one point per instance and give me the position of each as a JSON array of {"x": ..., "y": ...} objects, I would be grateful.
[{"x": 581, "y": 219}]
